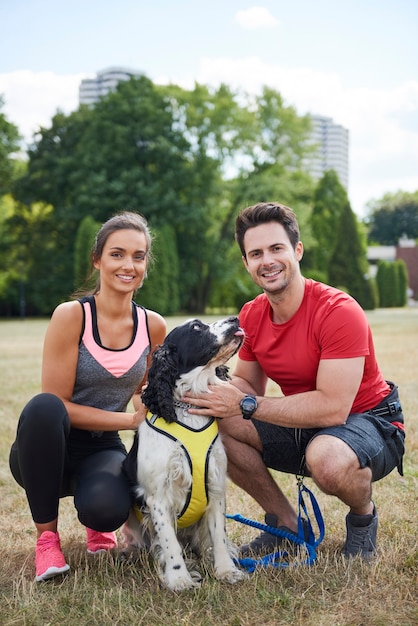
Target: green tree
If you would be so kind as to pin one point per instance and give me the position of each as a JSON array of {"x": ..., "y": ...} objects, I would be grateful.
[
  {"x": 83, "y": 250},
  {"x": 186, "y": 159},
  {"x": 348, "y": 262},
  {"x": 213, "y": 123},
  {"x": 330, "y": 199},
  {"x": 45, "y": 214},
  {"x": 11, "y": 272},
  {"x": 9, "y": 145},
  {"x": 392, "y": 217},
  {"x": 269, "y": 165},
  {"x": 125, "y": 153},
  {"x": 27, "y": 248},
  {"x": 8, "y": 269}
]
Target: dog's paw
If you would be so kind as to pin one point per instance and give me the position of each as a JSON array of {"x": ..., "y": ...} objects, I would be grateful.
[
  {"x": 180, "y": 577},
  {"x": 181, "y": 582},
  {"x": 232, "y": 576}
]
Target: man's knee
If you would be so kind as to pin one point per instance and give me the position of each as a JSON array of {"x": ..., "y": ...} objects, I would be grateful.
[{"x": 330, "y": 462}]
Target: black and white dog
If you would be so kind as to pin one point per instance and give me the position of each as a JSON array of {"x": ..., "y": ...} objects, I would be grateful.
[{"x": 177, "y": 462}]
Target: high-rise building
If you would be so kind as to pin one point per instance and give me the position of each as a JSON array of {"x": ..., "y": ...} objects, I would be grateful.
[
  {"x": 92, "y": 89},
  {"x": 332, "y": 142}
]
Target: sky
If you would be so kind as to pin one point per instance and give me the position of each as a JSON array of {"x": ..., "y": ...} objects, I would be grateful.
[{"x": 354, "y": 61}]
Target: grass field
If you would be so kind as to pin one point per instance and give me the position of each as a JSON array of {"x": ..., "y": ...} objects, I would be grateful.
[{"x": 102, "y": 590}]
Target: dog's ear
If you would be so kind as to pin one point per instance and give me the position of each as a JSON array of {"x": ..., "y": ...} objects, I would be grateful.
[
  {"x": 222, "y": 372},
  {"x": 162, "y": 377}
]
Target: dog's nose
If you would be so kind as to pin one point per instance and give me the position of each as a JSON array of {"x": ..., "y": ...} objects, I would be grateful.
[{"x": 234, "y": 321}]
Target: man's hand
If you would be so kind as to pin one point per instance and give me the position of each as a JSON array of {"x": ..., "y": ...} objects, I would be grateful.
[{"x": 221, "y": 401}]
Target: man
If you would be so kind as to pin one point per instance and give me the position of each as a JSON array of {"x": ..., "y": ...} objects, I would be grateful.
[{"x": 339, "y": 421}]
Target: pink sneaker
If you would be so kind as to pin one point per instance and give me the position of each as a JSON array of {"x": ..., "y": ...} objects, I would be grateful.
[
  {"x": 100, "y": 542},
  {"x": 49, "y": 560}
]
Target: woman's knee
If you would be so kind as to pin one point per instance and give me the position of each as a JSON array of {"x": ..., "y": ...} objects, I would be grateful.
[
  {"x": 104, "y": 506},
  {"x": 44, "y": 422},
  {"x": 45, "y": 408},
  {"x": 103, "y": 496}
]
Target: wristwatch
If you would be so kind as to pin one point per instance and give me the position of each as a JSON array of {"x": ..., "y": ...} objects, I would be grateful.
[{"x": 248, "y": 406}]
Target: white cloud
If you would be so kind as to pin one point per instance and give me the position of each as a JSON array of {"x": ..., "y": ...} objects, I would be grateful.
[
  {"x": 256, "y": 17},
  {"x": 31, "y": 99}
]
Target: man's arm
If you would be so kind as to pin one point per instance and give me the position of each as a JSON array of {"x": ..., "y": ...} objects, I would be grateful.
[
  {"x": 329, "y": 404},
  {"x": 249, "y": 377}
]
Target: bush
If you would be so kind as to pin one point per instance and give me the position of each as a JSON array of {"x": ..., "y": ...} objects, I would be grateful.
[
  {"x": 369, "y": 297},
  {"x": 402, "y": 282},
  {"x": 160, "y": 291},
  {"x": 392, "y": 283}
]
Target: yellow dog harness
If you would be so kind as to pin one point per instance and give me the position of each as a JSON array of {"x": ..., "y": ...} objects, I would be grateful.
[{"x": 197, "y": 445}]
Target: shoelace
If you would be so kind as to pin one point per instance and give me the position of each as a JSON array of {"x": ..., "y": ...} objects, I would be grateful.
[{"x": 360, "y": 537}]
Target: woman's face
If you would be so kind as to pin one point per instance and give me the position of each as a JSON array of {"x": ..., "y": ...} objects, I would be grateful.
[{"x": 123, "y": 263}]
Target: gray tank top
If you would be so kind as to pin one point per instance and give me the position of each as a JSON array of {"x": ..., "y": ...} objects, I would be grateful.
[{"x": 107, "y": 378}]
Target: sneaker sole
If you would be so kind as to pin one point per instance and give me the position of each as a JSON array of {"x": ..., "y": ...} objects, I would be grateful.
[
  {"x": 99, "y": 550},
  {"x": 365, "y": 556},
  {"x": 51, "y": 572}
]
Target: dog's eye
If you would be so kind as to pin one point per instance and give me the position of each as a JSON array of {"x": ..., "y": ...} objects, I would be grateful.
[{"x": 198, "y": 325}]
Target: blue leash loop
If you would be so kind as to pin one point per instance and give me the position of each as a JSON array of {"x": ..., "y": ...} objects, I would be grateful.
[
  {"x": 317, "y": 512},
  {"x": 275, "y": 559}
]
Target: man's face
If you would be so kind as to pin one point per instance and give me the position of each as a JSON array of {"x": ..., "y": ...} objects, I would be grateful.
[{"x": 270, "y": 258}]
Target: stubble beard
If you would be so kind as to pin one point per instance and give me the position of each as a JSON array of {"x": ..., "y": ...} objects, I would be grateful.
[{"x": 278, "y": 291}]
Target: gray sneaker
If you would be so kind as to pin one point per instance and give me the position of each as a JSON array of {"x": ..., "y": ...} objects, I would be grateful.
[
  {"x": 361, "y": 535},
  {"x": 265, "y": 542}
]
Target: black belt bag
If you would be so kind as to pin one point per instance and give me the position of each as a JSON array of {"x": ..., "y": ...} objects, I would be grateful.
[{"x": 390, "y": 408}]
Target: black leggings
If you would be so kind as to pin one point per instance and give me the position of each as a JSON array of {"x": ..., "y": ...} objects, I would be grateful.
[{"x": 44, "y": 463}]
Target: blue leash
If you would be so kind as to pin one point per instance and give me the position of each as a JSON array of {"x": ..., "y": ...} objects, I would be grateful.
[{"x": 275, "y": 559}]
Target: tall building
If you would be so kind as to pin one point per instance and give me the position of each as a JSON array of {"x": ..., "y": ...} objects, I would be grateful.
[
  {"x": 332, "y": 149},
  {"x": 92, "y": 89}
]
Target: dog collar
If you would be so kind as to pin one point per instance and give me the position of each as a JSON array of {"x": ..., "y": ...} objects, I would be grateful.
[{"x": 185, "y": 405}]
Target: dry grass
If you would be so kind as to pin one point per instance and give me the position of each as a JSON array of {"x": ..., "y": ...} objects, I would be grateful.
[{"x": 103, "y": 590}]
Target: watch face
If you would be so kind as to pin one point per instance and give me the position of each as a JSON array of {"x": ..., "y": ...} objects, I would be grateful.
[{"x": 248, "y": 404}]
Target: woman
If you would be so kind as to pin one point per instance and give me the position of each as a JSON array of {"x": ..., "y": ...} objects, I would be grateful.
[{"x": 95, "y": 360}]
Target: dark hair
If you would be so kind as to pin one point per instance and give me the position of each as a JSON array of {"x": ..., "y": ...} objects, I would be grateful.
[
  {"x": 263, "y": 213},
  {"x": 121, "y": 221}
]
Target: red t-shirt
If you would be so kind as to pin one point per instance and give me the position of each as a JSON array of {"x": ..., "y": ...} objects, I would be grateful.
[{"x": 329, "y": 324}]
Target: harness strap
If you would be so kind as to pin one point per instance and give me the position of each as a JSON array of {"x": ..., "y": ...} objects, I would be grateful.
[{"x": 197, "y": 445}]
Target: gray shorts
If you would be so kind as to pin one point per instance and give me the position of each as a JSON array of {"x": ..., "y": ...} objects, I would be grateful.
[{"x": 377, "y": 443}]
